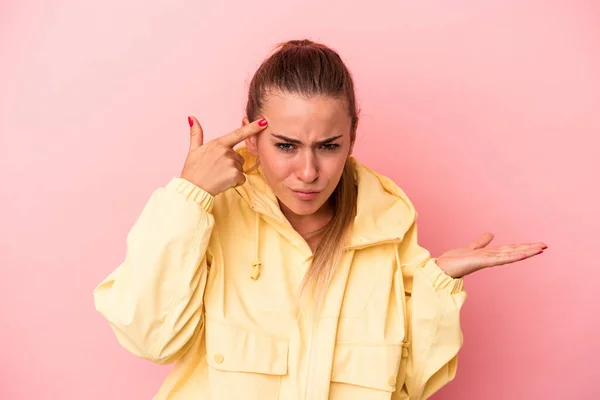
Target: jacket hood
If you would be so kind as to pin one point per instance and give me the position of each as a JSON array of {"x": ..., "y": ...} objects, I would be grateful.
[{"x": 384, "y": 212}]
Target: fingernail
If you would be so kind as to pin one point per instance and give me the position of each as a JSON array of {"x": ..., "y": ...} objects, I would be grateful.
[
  {"x": 544, "y": 248},
  {"x": 190, "y": 121},
  {"x": 262, "y": 122},
  {"x": 539, "y": 252}
]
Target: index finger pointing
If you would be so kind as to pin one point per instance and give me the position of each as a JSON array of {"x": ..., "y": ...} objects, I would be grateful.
[{"x": 243, "y": 133}]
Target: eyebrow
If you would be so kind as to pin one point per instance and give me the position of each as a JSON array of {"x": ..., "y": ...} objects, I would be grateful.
[{"x": 296, "y": 141}]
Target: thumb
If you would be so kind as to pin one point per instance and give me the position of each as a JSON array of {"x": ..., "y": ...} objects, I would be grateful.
[
  {"x": 481, "y": 241},
  {"x": 196, "y": 133}
]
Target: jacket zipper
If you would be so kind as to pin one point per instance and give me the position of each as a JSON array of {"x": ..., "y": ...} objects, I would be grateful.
[{"x": 310, "y": 384}]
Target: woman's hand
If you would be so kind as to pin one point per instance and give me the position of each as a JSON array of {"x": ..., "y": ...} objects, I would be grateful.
[
  {"x": 215, "y": 166},
  {"x": 466, "y": 260}
]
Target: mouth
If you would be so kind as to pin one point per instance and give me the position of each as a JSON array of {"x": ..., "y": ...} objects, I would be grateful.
[{"x": 305, "y": 194}]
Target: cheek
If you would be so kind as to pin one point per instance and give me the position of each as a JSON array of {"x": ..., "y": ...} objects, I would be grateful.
[
  {"x": 275, "y": 166},
  {"x": 334, "y": 167}
]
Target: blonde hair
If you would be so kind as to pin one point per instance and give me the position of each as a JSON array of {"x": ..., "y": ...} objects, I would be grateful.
[{"x": 307, "y": 68}]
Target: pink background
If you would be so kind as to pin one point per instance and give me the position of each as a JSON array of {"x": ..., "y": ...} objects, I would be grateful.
[{"x": 485, "y": 112}]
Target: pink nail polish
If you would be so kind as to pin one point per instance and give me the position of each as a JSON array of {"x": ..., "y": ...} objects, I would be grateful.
[
  {"x": 190, "y": 121},
  {"x": 262, "y": 122}
]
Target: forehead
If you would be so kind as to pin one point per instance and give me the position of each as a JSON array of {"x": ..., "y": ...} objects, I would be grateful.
[{"x": 315, "y": 116}]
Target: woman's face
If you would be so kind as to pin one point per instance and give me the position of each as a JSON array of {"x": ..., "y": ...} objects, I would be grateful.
[{"x": 303, "y": 150}]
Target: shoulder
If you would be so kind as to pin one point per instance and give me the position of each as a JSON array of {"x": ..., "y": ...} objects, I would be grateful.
[
  {"x": 384, "y": 211},
  {"x": 378, "y": 185}
]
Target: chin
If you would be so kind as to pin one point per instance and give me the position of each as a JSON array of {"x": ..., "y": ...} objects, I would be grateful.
[
  {"x": 305, "y": 211},
  {"x": 303, "y": 208}
]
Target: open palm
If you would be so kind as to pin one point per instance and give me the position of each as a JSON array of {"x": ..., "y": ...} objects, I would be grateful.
[{"x": 466, "y": 260}]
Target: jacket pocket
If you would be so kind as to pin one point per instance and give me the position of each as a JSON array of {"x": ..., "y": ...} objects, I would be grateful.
[
  {"x": 244, "y": 364},
  {"x": 365, "y": 371}
]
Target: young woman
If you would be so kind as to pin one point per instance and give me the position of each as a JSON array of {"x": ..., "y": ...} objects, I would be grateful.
[{"x": 285, "y": 269}]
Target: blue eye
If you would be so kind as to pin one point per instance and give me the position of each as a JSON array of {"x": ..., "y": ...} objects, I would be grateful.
[
  {"x": 288, "y": 147},
  {"x": 285, "y": 146},
  {"x": 331, "y": 146}
]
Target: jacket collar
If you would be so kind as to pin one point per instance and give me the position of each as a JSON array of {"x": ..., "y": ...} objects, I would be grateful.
[{"x": 384, "y": 213}]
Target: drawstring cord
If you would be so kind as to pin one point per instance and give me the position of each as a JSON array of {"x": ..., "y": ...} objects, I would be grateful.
[{"x": 257, "y": 264}]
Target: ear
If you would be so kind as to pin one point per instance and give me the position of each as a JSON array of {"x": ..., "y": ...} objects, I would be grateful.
[{"x": 251, "y": 144}]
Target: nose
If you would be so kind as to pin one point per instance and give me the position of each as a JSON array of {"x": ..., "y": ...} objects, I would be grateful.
[{"x": 309, "y": 171}]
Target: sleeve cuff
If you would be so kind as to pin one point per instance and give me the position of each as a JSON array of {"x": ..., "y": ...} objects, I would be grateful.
[
  {"x": 440, "y": 280},
  {"x": 192, "y": 192}
]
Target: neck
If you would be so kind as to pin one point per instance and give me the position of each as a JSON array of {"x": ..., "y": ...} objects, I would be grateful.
[{"x": 307, "y": 225}]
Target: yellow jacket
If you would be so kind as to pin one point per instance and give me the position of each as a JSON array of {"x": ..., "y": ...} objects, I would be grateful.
[{"x": 389, "y": 327}]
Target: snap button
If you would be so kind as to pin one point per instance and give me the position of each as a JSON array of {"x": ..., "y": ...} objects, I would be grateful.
[
  {"x": 219, "y": 358},
  {"x": 392, "y": 381}
]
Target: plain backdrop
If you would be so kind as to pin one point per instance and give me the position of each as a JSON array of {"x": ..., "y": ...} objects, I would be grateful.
[{"x": 485, "y": 112}]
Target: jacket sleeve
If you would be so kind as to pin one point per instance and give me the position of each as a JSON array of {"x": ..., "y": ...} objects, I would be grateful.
[
  {"x": 433, "y": 303},
  {"x": 154, "y": 300}
]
